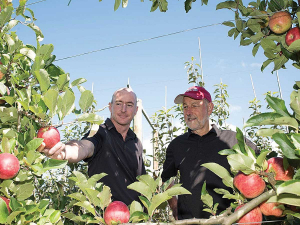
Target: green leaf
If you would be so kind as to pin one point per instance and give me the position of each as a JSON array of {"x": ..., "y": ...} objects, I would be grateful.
[
  {"x": 105, "y": 197},
  {"x": 265, "y": 132},
  {"x": 43, "y": 78},
  {"x": 86, "y": 100},
  {"x": 78, "y": 82},
  {"x": 91, "y": 118},
  {"x": 5, "y": 15},
  {"x": 50, "y": 98},
  {"x": 271, "y": 119},
  {"x": 78, "y": 196},
  {"x": 175, "y": 190},
  {"x": 221, "y": 172},
  {"x": 3, "y": 211},
  {"x": 241, "y": 162},
  {"x": 163, "y": 5},
  {"x": 265, "y": 64},
  {"x": 142, "y": 188},
  {"x": 255, "y": 38},
  {"x": 68, "y": 99},
  {"x": 286, "y": 198},
  {"x": 286, "y": 146},
  {"x": 278, "y": 105},
  {"x": 267, "y": 44},
  {"x": 157, "y": 200},
  {"x": 291, "y": 186},
  {"x": 154, "y": 5},
  {"x": 24, "y": 191},
  {"x": 55, "y": 216},
  {"x": 33, "y": 144},
  {"x": 117, "y": 4},
  {"x": 255, "y": 48},
  {"x": 138, "y": 216},
  {"x": 86, "y": 205},
  {"x": 261, "y": 159},
  {"x": 226, "y": 5},
  {"x": 279, "y": 62},
  {"x": 294, "y": 47},
  {"x": 295, "y": 103},
  {"x": 95, "y": 178},
  {"x": 93, "y": 196},
  {"x": 28, "y": 52},
  {"x": 148, "y": 180},
  {"x": 228, "y": 23},
  {"x": 54, "y": 164}
]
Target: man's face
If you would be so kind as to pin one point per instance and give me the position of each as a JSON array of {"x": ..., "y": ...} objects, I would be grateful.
[
  {"x": 196, "y": 114},
  {"x": 123, "y": 108}
]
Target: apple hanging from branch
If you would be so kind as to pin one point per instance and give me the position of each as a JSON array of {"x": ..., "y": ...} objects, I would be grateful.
[
  {"x": 9, "y": 166},
  {"x": 50, "y": 134}
]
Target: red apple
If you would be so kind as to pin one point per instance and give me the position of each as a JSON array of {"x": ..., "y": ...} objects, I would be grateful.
[
  {"x": 250, "y": 186},
  {"x": 252, "y": 216},
  {"x": 292, "y": 35},
  {"x": 271, "y": 209},
  {"x": 275, "y": 165},
  {"x": 9, "y": 166},
  {"x": 50, "y": 134},
  {"x": 280, "y": 22},
  {"x": 7, "y": 203},
  {"x": 116, "y": 212}
]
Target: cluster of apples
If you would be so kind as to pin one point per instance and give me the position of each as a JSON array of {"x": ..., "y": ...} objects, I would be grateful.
[
  {"x": 253, "y": 185},
  {"x": 281, "y": 22},
  {"x": 10, "y": 165}
]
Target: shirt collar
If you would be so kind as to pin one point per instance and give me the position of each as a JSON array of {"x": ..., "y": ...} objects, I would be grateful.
[
  {"x": 109, "y": 124},
  {"x": 213, "y": 129}
]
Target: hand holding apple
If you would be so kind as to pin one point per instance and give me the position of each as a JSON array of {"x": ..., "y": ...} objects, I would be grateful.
[
  {"x": 116, "y": 212},
  {"x": 50, "y": 134}
]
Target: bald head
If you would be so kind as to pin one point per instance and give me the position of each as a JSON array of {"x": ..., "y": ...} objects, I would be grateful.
[{"x": 128, "y": 90}]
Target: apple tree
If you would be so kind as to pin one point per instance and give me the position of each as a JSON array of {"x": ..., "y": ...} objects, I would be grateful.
[{"x": 34, "y": 92}]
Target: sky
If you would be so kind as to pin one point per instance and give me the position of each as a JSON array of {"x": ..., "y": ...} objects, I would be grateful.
[{"x": 153, "y": 61}]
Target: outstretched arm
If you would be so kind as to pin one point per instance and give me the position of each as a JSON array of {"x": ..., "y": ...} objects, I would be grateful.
[{"x": 73, "y": 151}]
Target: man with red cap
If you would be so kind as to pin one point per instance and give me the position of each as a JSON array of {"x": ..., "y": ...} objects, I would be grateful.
[{"x": 187, "y": 152}]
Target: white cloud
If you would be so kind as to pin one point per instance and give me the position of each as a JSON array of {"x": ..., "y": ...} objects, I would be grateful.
[
  {"x": 235, "y": 108},
  {"x": 244, "y": 64},
  {"x": 256, "y": 65}
]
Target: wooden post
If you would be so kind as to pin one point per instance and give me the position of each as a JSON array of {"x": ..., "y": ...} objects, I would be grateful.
[{"x": 137, "y": 121}]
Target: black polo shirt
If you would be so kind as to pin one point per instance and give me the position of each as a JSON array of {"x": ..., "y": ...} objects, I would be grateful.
[
  {"x": 121, "y": 160},
  {"x": 187, "y": 153}
]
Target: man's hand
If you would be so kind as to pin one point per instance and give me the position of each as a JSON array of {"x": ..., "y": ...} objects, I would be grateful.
[{"x": 56, "y": 152}]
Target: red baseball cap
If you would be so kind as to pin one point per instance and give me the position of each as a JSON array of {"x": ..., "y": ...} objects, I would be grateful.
[{"x": 194, "y": 92}]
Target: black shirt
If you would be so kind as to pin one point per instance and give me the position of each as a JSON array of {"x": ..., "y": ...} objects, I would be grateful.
[
  {"x": 121, "y": 160},
  {"x": 187, "y": 153}
]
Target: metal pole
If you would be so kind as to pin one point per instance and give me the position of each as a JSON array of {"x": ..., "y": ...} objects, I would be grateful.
[
  {"x": 279, "y": 84},
  {"x": 253, "y": 86},
  {"x": 200, "y": 60},
  {"x": 137, "y": 122}
]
